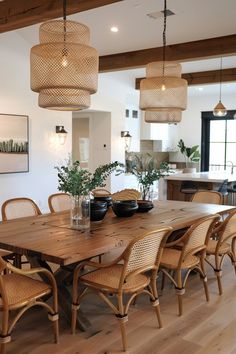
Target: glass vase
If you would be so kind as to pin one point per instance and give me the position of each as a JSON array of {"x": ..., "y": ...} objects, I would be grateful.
[
  {"x": 80, "y": 212},
  {"x": 146, "y": 192}
]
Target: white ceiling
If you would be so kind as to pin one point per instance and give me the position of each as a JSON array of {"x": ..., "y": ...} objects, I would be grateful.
[{"x": 193, "y": 20}]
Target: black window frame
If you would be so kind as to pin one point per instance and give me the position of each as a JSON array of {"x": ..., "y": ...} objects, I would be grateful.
[{"x": 207, "y": 117}]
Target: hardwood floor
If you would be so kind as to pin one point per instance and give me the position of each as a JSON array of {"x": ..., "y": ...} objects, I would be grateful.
[{"x": 204, "y": 328}]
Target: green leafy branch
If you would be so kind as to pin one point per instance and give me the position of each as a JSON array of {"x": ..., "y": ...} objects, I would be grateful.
[{"x": 78, "y": 181}]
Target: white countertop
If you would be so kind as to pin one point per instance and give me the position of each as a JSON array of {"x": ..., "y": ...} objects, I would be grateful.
[{"x": 216, "y": 177}]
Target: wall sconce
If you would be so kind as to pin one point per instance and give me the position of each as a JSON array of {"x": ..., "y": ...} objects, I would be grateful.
[
  {"x": 61, "y": 134},
  {"x": 126, "y": 135}
]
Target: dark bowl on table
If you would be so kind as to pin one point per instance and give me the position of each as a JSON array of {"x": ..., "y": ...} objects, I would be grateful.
[
  {"x": 144, "y": 206},
  {"x": 104, "y": 198},
  {"x": 98, "y": 210},
  {"x": 124, "y": 208}
]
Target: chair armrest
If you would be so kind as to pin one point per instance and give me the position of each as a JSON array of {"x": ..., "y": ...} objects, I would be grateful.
[{"x": 31, "y": 271}]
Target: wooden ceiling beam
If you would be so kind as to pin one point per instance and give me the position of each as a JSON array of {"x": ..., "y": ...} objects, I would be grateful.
[
  {"x": 16, "y": 14},
  {"x": 189, "y": 51},
  {"x": 203, "y": 77}
]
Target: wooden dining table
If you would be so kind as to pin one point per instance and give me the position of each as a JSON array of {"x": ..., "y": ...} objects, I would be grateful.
[{"x": 50, "y": 238}]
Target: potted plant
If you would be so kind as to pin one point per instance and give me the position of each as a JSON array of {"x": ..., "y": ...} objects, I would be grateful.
[
  {"x": 191, "y": 154},
  {"x": 145, "y": 169},
  {"x": 79, "y": 182}
]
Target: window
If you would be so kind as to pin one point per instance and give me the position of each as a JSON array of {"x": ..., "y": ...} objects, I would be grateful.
[{"x": 218, "y": 144}]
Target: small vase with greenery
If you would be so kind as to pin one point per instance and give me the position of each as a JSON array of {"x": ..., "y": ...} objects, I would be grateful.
[
  {"x": 145, "y": 169},
  {"x": 191, "y": 154},
  {"x": 79, "y": 182}
]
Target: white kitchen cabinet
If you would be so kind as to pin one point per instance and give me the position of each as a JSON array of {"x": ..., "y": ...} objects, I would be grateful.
[{"x": 164, "y": 136}]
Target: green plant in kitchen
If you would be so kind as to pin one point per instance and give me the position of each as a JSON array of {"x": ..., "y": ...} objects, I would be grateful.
[
  {"x": 145, "y": 169},
  {"x": 78, "y": 181},
  {"x": 192, "y": 154}
]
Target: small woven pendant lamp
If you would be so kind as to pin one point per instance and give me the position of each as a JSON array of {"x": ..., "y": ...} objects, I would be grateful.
[
  {"x": 220, "y": 110},
  {"x": 163, "y": 94},
  {"x": 64, "y": 68}
]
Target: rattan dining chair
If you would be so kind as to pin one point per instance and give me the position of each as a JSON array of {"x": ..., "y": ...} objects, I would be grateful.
[
  {"x": 18, "y": 208},
  {"x": 209, "y": 197},
  {"x": 129, "y": 278},
  {"x": 189, "y": 257},
  {"x": 126, "y": 194},
  {"x": 19, "y": 293},
  {"x": 222, "y": 245},
  {"x": 59, "y": 202}
]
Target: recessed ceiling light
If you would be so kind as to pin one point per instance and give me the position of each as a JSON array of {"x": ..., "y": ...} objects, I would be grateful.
[
  {"x": 199, "y": 88},
  {"x": 114, "y": 29}
]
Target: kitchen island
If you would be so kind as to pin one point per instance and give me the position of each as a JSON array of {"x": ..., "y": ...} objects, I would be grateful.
[{"x": 176, "y": 183}]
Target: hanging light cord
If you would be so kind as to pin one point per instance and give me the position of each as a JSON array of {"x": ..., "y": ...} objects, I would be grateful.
[
  {"x": 220, "y": 76},
  {"x": 64, "y": 18},
  {"x": 164, "y": 41}
]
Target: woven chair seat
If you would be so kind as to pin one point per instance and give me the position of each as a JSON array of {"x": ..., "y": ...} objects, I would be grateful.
[
  {"x": 170, "y": 259},
  {"x": 21, "y": 289},
  {"x": 211, "y": 247},
  {"x": 109, "y": 278}
]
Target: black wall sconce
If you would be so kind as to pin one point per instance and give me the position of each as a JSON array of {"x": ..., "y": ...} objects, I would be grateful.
[
  {"x": 61, "y": 134},
  {"x": 126, "y": 135}
]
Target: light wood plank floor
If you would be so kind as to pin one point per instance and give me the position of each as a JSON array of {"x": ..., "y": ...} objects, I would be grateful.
[{"x": 205, "y": 328}]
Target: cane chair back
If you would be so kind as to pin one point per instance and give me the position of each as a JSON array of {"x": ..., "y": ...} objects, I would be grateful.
[
  {"x": 209, "y": 197},
  {"x": 189, "y": 257},
  {"x": 101, "y": 192},
  {"x": 20, "y": 292},
  {"x": 143, "y": 253},
  {"x": 198, "y": 235},
  {"x": 223, "y": 245},
  {"x": 228, "y": 229},
  {"x": 126, "y": 194},
  {"x": 59, "y": 202},
  {"x": 18, "y": 208}
]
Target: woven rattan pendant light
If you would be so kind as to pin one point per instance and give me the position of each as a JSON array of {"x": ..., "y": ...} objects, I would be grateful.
[
  {"x": 64, "y": 68},
  {"x": 163, "y": 94},
  {"x": 220, "y": 110}
]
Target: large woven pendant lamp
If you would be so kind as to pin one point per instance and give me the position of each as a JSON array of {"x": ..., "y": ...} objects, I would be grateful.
[
  {"x": 64, "y": 68},
  {"x": 163, "y": 94}
]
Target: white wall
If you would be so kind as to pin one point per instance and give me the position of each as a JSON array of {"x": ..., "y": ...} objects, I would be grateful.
[
  {"x": 189, "y": 129},
  {"x": 44, "y": 150},
  {"x": 113, "y": 90}
]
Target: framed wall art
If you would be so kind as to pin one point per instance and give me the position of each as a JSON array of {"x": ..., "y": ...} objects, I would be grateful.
[{"x": 14, "y": 143}]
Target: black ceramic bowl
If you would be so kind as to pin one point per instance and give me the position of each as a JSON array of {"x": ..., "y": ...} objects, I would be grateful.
[
  {"x": 144, "y": 206},
  {"x": 98, "y": 210},
  {"x": 124, "y": 208},
  {"x": 107, "y": 199}
]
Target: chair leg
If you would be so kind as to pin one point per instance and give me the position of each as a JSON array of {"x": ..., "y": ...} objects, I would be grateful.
[
  {"x": 206, "y": 288},
  {"x": 204, "y": 276},
  {"x": 122, "y": 321},
  {"x": 180, "y": 293},
  {"x": 155, "y": 301},
  {"x": 74, "y": 317},
  {"x": 158, "y": 313},
  {"x": 180, "y": 290},
  {"x": 218, "y": 274},
  {"x": 56, "y": 331},
  {"x": 4, "y": 338}
]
